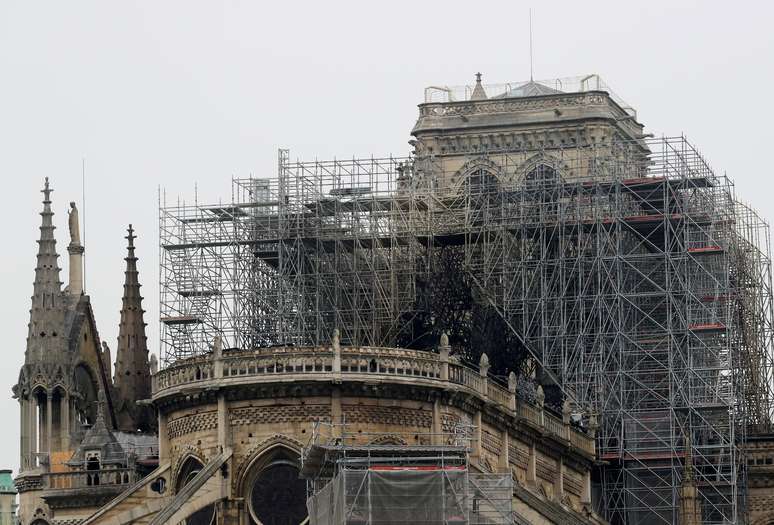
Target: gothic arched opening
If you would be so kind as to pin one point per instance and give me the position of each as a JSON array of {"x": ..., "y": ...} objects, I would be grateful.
[
  {"x": 188, "y": 471},
  {"x": 276, "y": 494},
  {"x": 86, "y": 401}
]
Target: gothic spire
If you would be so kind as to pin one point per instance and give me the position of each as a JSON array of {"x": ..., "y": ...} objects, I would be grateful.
[
  {"x": 132, "y": 371},
  {"x": 47, "y": 310},
  {"x": 478, "y": 90},
  {"x": 47, "y": 285}
]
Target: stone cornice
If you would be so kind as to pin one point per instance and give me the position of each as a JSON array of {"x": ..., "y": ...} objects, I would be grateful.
[{"x": 509, "y": 112}]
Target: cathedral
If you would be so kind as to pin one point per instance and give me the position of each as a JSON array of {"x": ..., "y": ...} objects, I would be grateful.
[{"x": 537, "y": 317}]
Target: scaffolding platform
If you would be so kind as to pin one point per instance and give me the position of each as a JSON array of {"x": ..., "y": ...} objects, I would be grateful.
[{"x": 352, "y": 481}]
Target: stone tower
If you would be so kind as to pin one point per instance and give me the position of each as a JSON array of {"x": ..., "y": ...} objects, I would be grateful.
[
  {"x": 496, "y": 134},
  {"x": 46, "y": 339},
  {"x": 132, "y": 369},
  {"x": 64, "y": 369}
]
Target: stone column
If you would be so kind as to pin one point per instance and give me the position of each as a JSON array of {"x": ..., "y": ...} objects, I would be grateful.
[
  {"x": 64, "y": 420},
  {"x": 336, "y": 412},
  {"x": 437, "y": 424},
  {"x": 163, "y": 438},
  {"x": 76, "y": 269},
  {"x": 505, "y": 453},
  {"x": 532, "y": 464},
  {"x": 32, "y": 421},
  {"x": 559, "y": 483},
  {"x": 49, "y": 424},
  {"x": 512, "y": 391},
  {"x": 477, "y": 435},
  {"x": 23, "y": 434},
  {"x": 443, "y": 352},
  {"x": 223, "y": 422},
  {"x": 586, "y": 496}
]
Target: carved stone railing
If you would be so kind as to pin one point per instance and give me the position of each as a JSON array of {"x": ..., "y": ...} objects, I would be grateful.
[
  {"x": 78, "y": 479},
  {"x": 34, "y": 461},
  {"x": 222, "y": 369}
]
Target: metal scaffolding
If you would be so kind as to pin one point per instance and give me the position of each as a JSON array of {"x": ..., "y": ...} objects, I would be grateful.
[
  {"x": 353, "y": 480},
  {"x": 629, "y": 270}
]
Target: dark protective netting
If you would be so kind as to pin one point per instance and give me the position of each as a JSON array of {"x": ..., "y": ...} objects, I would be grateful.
[{"x": 438, "y": 496}]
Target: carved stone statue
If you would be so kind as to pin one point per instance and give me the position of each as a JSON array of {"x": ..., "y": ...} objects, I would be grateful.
[
  {"x": 154, "y": 364},
  {"x": 72, "y": 221},
  {"x": 540, "y": 396}
]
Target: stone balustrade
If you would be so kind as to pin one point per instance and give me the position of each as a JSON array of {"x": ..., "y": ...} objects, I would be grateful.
[
  {"x": 78, "y": 479},
  {"x": 237, "y": 367}
]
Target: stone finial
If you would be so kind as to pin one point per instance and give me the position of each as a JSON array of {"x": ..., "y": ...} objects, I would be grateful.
[
  {"x": 540, "y": 396},
  {"x": 46, "y": 191},
  {"x": 217, "y": 348},
  {"x": 336, "y": 344},
  {"x": 444, "y": 343},
  {"x": 154, "y": 364},
  {"x": 483, "y": 365},
  {"x": 566, "y": 410},
  {"x": 336, "y": 340},
  {"x": 512, "y": 382},
  {"x": 100, "y": 399},
  {"x": 130, "y": 237},
  {"x": 478, "y": 90}
]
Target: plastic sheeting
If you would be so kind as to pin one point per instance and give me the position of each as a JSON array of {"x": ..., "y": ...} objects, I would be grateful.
[{"x": 420, "y": 496}]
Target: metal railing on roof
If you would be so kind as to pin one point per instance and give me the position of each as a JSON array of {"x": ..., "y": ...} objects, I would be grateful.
[{"x": 528, "y": 88}]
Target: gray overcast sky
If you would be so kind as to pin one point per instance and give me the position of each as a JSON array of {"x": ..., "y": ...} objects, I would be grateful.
[{"x": 178, "y": 93}]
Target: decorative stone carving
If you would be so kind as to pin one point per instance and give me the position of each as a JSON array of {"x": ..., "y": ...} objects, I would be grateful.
[
  {"x": 217, "y": 348},
  {"x": 566, "y": 411},
  {"x": 336, "y": 341},
  {"x": 512, "y": 381},
  {"x": 73, "y": 223},
  {"x": 540, "y": 396},
  {"x": 483, "y": 365}
]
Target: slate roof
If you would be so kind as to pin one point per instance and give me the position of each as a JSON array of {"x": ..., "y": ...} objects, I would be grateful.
[
  {"x": 99, "y": 437},
  {"x": 530, "y": 89}
]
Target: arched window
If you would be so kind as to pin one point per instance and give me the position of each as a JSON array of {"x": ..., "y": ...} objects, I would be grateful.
[
  {"x": 276, "y": 494},
  {"x": 191, "y": 467},
  {"x": 543, "y": 183},
  {"x": 481, "y": 181}
]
